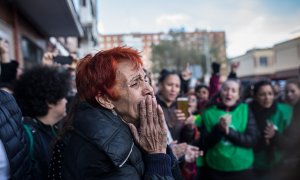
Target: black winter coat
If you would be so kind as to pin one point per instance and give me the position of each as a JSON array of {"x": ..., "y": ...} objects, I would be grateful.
[
  {"x": 41, "y": 153},
  {"x": 102, "y": 147},
  {"x": 14, "y": 138}
]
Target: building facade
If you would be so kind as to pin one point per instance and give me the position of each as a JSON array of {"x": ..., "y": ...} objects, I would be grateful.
[
  {"x": 88, "y": 18},
  {"x": 255, "y": 63},
  {"x": 34, "y": 27},
  {"x": 212, "y": 44},
  {"x": 79, "y": 46},
  {"x": 280, "y": 62},
  {"x": 139, "y": 41},
  {"x": 287, "y": 59},
  {"x": 28, "y": 25}
]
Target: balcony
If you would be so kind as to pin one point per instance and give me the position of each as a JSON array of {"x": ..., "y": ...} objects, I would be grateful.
[{"x": 51, "y": 17}]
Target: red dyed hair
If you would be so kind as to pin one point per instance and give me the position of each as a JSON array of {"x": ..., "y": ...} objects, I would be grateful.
[{"x": 97, "y": 74}]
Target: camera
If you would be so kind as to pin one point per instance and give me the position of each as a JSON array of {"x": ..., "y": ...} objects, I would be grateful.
[{"x": 63, "y": 59}]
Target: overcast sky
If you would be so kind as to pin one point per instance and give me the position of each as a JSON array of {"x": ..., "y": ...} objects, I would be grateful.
[{"x": 247, "y": 23}]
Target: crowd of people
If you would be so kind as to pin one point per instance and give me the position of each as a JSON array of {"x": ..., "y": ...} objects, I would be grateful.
[{"x": 107, "y": 119}]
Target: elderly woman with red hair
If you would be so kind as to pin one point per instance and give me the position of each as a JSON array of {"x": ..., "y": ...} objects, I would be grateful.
[{"x": 118, "y": 128}]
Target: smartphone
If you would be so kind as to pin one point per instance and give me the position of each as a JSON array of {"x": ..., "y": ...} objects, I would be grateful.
[
  {"x": 183, "y": 104},
  {"x": 63, "y": 59}
]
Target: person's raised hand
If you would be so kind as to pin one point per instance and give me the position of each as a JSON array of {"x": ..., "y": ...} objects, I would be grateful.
[
  {"x": 235, "y": 66},
  {"x": 186, "y": 74},
  {"x": 48, "y": 59},
  {"x": 4, "y": 54},
  {"x": 3, "y": 47},
  {"x": 152, "y": 135}
]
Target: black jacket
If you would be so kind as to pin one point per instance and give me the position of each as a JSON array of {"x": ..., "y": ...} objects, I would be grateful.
[
  {"x": 14, "y": 138},
  {"x": 102, "y": 147},
  {"x": 41, "y": 153}
]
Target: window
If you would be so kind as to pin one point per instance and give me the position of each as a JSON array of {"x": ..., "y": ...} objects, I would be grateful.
[
  {"x": 32, "y": 54},
  {"x": 115, "y": 38},
  {"x": 108, "y": 38},
  {"x": 263, "y": 61},
  {"x": 115, "y": 44}
]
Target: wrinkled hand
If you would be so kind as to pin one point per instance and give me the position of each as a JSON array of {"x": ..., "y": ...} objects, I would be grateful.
[
  {"x": 178, "y": 149},
  {"x": 152, "y": 137},
  {"x": 192, "y": 153}
]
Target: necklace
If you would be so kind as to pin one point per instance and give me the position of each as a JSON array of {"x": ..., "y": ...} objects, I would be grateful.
[{"x": 116, "y": 114}]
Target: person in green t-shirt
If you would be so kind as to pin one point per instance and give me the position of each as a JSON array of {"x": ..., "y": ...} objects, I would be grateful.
[
  {"x": 228, "y": 135},
  {"x": 272, "y": 118}
]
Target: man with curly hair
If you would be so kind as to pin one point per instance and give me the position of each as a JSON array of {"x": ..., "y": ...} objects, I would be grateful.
[{"x": 40, "y": 93}]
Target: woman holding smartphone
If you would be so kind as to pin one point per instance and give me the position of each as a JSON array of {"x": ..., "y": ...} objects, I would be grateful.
[{"x": 229, "y": 134}]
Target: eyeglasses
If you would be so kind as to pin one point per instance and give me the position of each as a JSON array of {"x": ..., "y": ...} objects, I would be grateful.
[{"x": 192, "y": 100}]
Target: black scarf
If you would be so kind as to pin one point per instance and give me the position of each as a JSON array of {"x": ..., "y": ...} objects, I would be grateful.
[{"x": 261, "y": 116}]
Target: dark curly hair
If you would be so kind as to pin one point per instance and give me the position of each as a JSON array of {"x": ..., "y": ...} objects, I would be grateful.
[{"x": 40, "y": 86}]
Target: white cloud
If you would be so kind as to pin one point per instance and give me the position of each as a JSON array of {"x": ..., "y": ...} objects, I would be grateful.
[
  {"x": 133, "y": 22},
  {"x": 247, "y": 24},
  {"x": 259, "y": 31},
  {"x": 100, "y": 27}
]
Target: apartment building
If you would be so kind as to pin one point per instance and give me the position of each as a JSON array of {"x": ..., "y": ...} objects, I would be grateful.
[
  {"x": 212, "y": 44},
  {"x": 280, "y": 62},
  {"x": 27, "y": 26}
]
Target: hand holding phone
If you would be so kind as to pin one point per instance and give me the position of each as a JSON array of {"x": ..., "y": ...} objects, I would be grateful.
[{"x": 63, "y": 60}]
